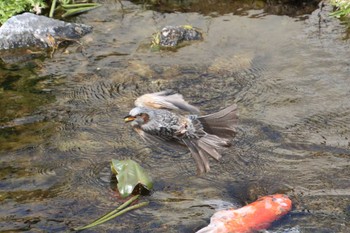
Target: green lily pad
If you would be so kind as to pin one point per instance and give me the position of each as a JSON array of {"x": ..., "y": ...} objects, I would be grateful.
[{"x": 129, "y": 175}]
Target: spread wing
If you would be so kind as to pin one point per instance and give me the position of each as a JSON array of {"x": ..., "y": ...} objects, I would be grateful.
[
  {"x": 156, "y": 140},
  {"x": 165, "y": 99}
]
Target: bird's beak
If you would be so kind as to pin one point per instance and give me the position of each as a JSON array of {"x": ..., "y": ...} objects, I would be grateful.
[{"x": 129, "y": 118}]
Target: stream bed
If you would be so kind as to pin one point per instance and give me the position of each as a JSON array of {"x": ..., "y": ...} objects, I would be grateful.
[{"x": 286, "y": 67}]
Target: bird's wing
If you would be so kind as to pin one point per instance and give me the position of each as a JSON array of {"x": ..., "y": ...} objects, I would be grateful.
[
  {"x": 153, "y": 139},
  {"x": 165, "y": 99},
  {"x": 198, "y": 155}
]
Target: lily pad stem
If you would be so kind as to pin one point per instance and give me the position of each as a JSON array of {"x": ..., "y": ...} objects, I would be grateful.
[{"x": 115, "y": 213}]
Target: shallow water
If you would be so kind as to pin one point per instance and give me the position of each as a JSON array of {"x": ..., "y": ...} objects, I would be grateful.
[{"x": 62, "y": 121}]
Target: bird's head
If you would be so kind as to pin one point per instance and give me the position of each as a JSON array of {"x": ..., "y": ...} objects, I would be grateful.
[{"x": 138, "y": 116}]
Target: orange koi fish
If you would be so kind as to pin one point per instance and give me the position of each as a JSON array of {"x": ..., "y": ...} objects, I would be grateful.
[{"x": 258, "y": 215}]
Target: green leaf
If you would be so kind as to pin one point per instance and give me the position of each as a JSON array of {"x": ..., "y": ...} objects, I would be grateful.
[
  {"x": 130, "y": 174},
  {"x": 77, "y": 9},
  {"x": 79, "y": 5}
]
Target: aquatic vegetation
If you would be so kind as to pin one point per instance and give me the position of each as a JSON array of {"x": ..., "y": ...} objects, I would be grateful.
[
  {"x": 115, "y": 213},
  {"x": 130, "y": 175},
  {"x": 343, "y": 8}
]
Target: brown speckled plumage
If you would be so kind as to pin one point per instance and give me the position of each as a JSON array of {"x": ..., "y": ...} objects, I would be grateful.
[{"x": 203, "y": 135}]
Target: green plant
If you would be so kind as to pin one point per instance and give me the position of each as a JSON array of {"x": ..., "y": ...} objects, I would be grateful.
[
  {"x": 71, "y": 7},
  {"x": 129, "y": 175},
  {"x": 9, "y": 8},
  {"x": 115, "y": 213},
  {"x": 343, "y": 8}
]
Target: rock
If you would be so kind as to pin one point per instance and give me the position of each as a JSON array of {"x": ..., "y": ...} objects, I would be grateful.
[
  {"x": 171, "y": 36},
  {"x": 30, "y": 30}
]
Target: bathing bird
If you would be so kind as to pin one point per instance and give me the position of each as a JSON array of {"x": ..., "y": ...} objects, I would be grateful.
[{"x": 158, "y": 118}]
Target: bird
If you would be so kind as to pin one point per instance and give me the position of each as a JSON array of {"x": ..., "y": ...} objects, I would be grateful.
[{"x": 158, "y": 118}]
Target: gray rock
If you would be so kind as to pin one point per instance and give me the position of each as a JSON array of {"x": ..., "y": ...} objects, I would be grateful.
[
  {"x": 171, "y": 36},
  {"x": 30, "y": 30}
]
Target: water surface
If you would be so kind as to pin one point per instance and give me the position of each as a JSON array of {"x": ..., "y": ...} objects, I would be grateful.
[{"x": 62, "y": 120}]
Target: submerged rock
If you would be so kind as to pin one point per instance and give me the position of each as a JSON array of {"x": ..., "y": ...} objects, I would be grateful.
[
  {"x": 171, "y": 36},
  {"x": 30, "y": 30}
]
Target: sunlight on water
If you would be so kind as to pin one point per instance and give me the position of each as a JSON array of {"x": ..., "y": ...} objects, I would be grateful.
[{"x": 62, "y": 120}]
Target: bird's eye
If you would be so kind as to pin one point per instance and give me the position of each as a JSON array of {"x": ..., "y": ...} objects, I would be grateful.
[{"x": 144, "y": 116}]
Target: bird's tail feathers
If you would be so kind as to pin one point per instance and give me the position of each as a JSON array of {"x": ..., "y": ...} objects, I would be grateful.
[
  {"x": 222, "y": 123},
  {"x": 204, "y": 147}
]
